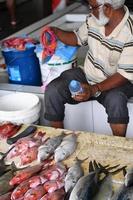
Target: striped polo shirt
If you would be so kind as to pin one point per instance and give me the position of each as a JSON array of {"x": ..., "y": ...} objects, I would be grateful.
[{"x": 107, "y": 54}]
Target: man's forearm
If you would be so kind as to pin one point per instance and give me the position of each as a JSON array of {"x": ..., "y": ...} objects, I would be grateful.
[
  {"x": 66, "y": 37},
  {"x": 114, "y": 81}
]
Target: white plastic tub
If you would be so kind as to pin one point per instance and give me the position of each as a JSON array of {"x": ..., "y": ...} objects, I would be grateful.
[{"x": 20, "y": 108}]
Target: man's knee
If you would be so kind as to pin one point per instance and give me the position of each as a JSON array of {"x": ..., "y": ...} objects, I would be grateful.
[
  {"x": 116, "y": 107},
  {"x": 115, "y": 99}
]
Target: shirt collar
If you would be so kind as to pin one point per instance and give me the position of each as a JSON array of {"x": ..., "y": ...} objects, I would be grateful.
[{"x": 120, "y": 26}]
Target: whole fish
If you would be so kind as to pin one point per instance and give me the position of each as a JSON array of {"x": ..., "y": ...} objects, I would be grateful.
[
  {"x": 66, "y": 148},
  {"x": 25, "y": 174},
  {"x": 56, "y": 195},
  {"x": 48, "y": 148},
  {"x": 74, "y": 173}
]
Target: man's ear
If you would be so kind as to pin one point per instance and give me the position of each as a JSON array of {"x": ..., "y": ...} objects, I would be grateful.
[{"x": 107, "y": 9}]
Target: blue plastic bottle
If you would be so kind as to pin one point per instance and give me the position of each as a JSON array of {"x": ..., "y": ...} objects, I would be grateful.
[{"x": 75, "y": 87}]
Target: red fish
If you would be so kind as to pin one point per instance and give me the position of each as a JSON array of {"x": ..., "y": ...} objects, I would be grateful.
[
  {"x": 57, "y": 195},
  {"x": 25, "y": 174},
  {"x": 20, "y": 190},
  {"x": 34, "y": 193}
]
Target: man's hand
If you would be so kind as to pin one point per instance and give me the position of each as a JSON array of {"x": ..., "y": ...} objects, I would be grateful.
[{"x": 85, "y": 95}]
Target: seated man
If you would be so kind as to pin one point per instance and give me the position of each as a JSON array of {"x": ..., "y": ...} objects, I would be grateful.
[{"x": 108, "y": 69}]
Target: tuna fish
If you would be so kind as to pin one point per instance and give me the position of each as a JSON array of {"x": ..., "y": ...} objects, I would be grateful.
[
  {"x": 48, "y": 148},
  {"x": 74, "y": 173},
  {"x": 66, "y": 148},
  {"x": 88, "y": 186}
]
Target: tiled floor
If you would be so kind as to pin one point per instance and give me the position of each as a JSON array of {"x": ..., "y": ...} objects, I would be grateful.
[{"x": 28, "y": 12}]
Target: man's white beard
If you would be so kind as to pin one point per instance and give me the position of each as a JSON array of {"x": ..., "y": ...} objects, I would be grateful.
[{"x": 103, "y": 20}]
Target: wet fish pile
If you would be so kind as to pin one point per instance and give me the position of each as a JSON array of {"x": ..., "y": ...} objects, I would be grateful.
[{"x": 43, "y": 181}]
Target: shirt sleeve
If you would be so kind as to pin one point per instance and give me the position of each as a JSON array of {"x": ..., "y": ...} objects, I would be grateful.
[
  {"x": 125, "y": 64},
  {"x": 82, "y": 33}
]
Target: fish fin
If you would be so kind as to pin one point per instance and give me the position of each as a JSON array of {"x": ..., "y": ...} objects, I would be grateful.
[
  {"x": 79, "y": 160},
  {"x": 118, "y": 170}
]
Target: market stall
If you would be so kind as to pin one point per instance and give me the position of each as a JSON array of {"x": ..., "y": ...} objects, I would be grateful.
[{"x": 106, "y": 150}]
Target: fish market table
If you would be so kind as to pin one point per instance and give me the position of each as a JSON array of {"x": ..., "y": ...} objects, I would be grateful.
[{"x": 107, "y": 150}]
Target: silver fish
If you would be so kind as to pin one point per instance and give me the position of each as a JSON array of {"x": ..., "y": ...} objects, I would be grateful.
[
  {"x": 48, "y": 148},
  {"x": 88, "y": 186},
  {"x": 66, "y": 148},
  {"x": 73, "y": 175}
]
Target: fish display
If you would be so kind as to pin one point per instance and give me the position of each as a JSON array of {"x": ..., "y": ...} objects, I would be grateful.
[
  {"x": 52, "y": 179},
  {"x": 46, "y": 150},
  {"x": 66, "y": 148}
]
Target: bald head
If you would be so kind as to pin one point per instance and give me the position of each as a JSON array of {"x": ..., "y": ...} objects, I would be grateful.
[{"x": 114, "y": 3}]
